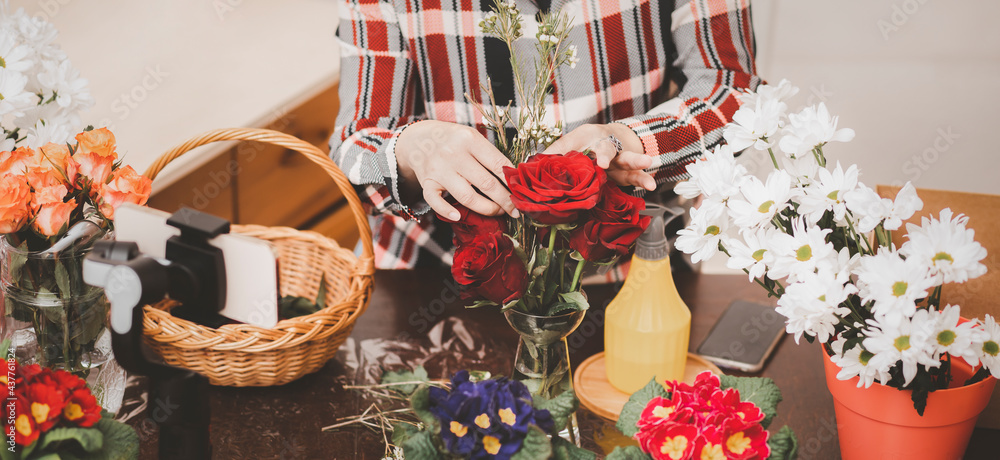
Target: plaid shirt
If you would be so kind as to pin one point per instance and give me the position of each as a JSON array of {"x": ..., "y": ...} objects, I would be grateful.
[{"x": 408, "y": 60}]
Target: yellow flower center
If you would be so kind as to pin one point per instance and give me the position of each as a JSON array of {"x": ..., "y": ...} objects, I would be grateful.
[
  {"x": 741, "y": 415},
  {"x": 991, "y": 348},
  {"x": 942, "y": 256},
  {"x": 712, "y": 230},
  {"x": 865, "y": 356},
  {"x": 73, "y": 411},
  {"x": 3, "y": 379},
  {"x": 758, "y": 255},
  {"x": 491, "y": 444},
  {"x": 674, "y": 447},
  {"x": 23, "y": 425},
  {"x": 712, "y": 452},
  {"x": 765, "y": 206},
  {"x": 507, "y": 416},
  {"x": 804, "y": 253},
  {"x": 40, "y": 412},
  {"x": 946, "y": 338},
  {"x": 833, "y": 195},
  {"x": 899, "y": 288},
  {"x": 738, "y": 443},
  {"x": 902, "y": 343},
  {"x": 662, "y": 412},
  {"x": 458, "y": 429},
  {"x": 483, "y": 421}
]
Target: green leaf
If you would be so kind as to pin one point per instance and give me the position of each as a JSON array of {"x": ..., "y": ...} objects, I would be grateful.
[
  {"x": 784, "y": 445},
  {"x": 628, "y": 453},
  {"x": 48, "y": 456},
  {"x": 569, "y": 301},
  {"x": 420, "y": 401},
  {"x": 321, "y": 292},
  {"x": 482, "y": 303},
  {"x": 120, "y": 441},
  {"x": 420, "y": 447},
  {"x": 6, "y": 454},
  {"x": 761, "y": 391},
  {"x": 561, "y": 407},
  {"x": 17, "y": 260},
  {"x": 565, "y": 450},
  {"x": 416, "y": 375},
  {"x": 629, "y": 417},
  {"x": 402, "y": 432},
  {"x": 535, "y": 446},
  {"x": 89, "y": 439},
  {"x": 296, "y": 306},
  {"x": 62, "y": 280},
  {"x": 91, "y": 321}
]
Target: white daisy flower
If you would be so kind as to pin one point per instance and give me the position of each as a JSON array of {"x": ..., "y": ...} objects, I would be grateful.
[
  {"x": 947, "y": 246},
  {"x": 827, "y": 194},
  {"x": 908, "y": 341},
  {"x": 780, "y": 92},
  {"x": 856, "y": 363},
  {"x": 13, "y": 55},
  {"x": 64, "y": 80},
  {"x": 894, "y": 284},
  {"x": 802, "y": 253},
  {"x": 812, "y": 127},
  {"x": 13, "y": 97},
  {"x": 954, "y": 338},
  {"x": 6, "y": 144},
  {"x": 702, "y": 236},
  {"x": 803, "y": 170},
  {"x": 716, "y": 175},
  {"x": 573, "y": 59},
  {"x": 987, "y": 346},
  {"x": 755, "y": 125},
  {"x": 43, "y": 133},
  {"x": 871, "y": 209},
  {"x": 751, "y": 252},
  {"x": 759, "y": 202},
  {"x": 813, "y": 305}
]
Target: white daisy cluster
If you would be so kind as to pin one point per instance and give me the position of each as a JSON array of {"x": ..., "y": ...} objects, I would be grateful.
[
  {"x": 41, "y": 93},
  {"x": 805, "y": 234},
  {"x": 541, "y": 133}
]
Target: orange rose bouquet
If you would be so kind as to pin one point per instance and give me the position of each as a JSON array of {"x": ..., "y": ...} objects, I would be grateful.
[{"x": 55, "y": 202}]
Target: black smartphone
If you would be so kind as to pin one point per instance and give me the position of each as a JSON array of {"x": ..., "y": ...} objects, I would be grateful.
[{"x": 744, "y": 336}]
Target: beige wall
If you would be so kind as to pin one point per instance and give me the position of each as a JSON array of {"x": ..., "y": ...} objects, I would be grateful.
[{"x": 916, "y": 79}]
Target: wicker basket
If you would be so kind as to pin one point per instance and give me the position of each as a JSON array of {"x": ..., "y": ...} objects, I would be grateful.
[{"x": 244, "y": 355}]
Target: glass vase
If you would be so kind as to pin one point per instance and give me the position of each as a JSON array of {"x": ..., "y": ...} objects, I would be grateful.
[
  {"x": 56, "y": 320},
  {"x": 542, "y": 359}
]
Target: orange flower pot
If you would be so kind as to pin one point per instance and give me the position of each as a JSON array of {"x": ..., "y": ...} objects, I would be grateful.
[{"x": 880, "y": 422}]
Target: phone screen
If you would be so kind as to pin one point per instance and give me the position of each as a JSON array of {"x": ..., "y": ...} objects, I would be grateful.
[{"x": 744, "y": 336}]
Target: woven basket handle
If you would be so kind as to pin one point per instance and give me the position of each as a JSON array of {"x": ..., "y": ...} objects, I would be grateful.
[{"x": 367, "y": 262}]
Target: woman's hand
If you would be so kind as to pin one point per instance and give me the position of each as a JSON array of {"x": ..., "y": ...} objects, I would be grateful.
[
  {"x": 438, "y": 157},
  {"x": 625, "y": 167}
]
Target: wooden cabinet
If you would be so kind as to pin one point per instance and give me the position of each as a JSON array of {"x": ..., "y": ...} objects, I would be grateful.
[{"x": 253, "y": 183}]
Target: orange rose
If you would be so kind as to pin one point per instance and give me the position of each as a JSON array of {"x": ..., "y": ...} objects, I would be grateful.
[
  {"x": 100, "y": 141},
  {"x": 53, "y": 218},
  {"x": 18, "y": 161},
  {"x": 56, "y": 156},
  {"x": 126, "y": 186},
  {"x": 15, "y": 196}
]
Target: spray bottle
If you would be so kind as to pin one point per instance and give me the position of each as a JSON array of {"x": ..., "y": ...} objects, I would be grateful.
[{"x": 647, "y": 325}]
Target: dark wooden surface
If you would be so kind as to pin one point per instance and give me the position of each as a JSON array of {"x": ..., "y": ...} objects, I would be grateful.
[{"x": 285, "y": 422}]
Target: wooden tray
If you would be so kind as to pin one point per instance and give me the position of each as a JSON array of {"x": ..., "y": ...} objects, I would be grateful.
[{"x": 598, "y": 395}]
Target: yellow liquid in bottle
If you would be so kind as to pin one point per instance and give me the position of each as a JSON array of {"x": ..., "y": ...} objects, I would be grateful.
[{"x": 646, "y": 329}]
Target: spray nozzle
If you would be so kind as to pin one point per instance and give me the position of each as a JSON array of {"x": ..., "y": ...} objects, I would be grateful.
[{"x": 652, "y": 245}]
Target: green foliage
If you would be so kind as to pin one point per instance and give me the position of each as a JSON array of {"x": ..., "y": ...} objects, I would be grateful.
[
  {"x": 296, "y": 306},
  {"x": 106, "y": 440},
  {"x": 561, "y": 407},
  {"x": 420, "y": 447},
  {"x": 761, "y": 391},
  {"x": 783, "y": 444},
  {"x": 536, "y": 446},
  {"x": 565, "y": 450},
  {"x": 419, "y": 374},
  {"x": 628, "y": 453},
  {"x": 568, "y": 302},
  {"x": 120, "y": 441},
  {"x": 635, "y": 405},
  {"x": 88, "y": 439},
  {"x": 420, "y": 400}
]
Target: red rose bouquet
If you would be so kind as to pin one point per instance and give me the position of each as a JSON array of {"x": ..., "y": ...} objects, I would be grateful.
[
  {"x": 707, "y": 420},
  {"x": 53, "y": 414}
]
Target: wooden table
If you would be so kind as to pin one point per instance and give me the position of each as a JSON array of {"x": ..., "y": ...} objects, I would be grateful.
[{"x": 285, "y": 422}]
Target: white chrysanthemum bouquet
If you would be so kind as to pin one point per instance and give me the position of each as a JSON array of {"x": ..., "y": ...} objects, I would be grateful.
[
  {"x": 819, "y": 240},
  {"x": 41, "y": 93}
]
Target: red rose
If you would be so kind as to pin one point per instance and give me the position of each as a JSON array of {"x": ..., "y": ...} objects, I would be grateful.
[
  {"x": 489, "y": 268},
  {"x": 614, "y": 226},
  {"x": 471, "y": 224},
  {"x": 554, "y": 189}
]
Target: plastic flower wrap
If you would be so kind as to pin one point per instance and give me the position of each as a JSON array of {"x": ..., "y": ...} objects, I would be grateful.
[
  {"x": 53, "y": 412},
  {"x": 707, "y": 420},
  {"x": 41, "y": 93},
  {"x": 819, "y": 240}
]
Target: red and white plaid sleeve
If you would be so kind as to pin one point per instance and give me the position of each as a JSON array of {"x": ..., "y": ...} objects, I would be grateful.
[
  {"x": 377, "y": 96},
  {"x": 715, "y": 51}
]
